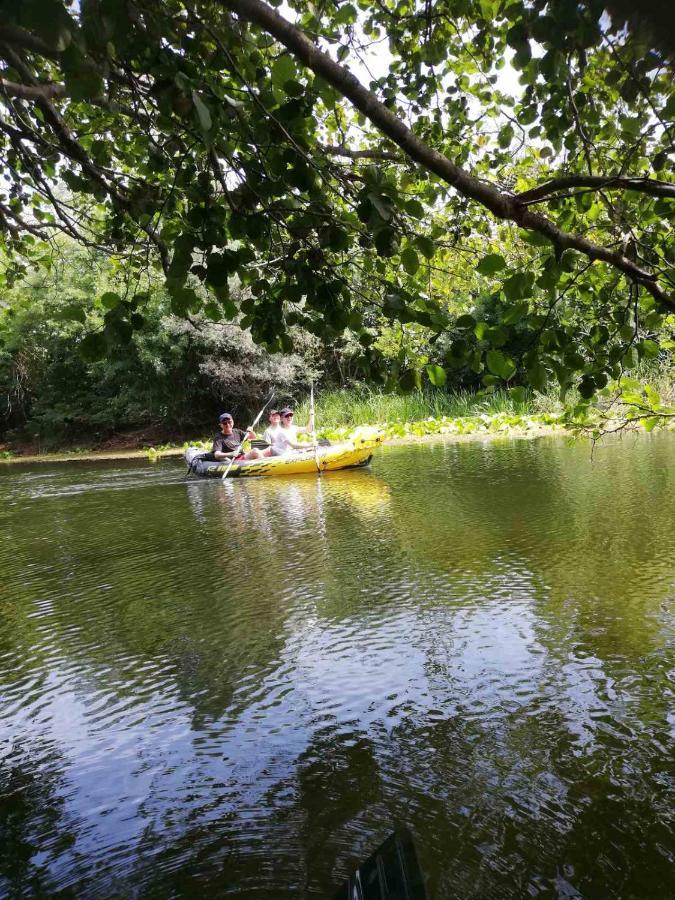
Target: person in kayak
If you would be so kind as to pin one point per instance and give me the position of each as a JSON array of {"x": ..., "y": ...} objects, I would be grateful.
[
  {"x": 227, "y": 442},
  {"x": 271, "y": 434},
  {"x": 286, "y": 438}
]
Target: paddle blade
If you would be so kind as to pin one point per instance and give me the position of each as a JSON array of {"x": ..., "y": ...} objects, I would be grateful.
[{"x": 391, "y": 873}]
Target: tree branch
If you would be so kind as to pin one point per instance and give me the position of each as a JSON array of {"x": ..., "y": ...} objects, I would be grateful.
[
  {"x": 599, "y": 182},
  {"x": 71, "y": 147},
  {"x": 32, "y": 92},
  {"x": 19, "y": 37},
  {"x": 341, "y": 150},
  {"x": 500, "y": 204}
]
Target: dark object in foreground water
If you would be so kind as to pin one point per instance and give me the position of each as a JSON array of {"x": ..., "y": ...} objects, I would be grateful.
[{"x": 391, "y": 873}]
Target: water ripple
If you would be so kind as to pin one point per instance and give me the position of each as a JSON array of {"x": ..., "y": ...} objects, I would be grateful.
[{"x": 241, "y": 688}]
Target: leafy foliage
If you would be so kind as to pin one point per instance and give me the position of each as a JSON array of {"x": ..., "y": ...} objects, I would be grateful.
[
  {"x": 522, "y": 225},
  {"x": 168, "y": 374}
]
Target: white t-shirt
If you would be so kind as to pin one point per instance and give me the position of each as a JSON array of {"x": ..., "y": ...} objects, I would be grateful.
[
  {"x": 272, "y": 437},
  {"x": 282, "y": 439}
]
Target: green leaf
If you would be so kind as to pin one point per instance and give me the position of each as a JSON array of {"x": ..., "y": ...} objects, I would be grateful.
[
  {"x": 516, "y": 313},
  {"x": 505, "y": 136},
  {"x": 533, "y": 238},
  {"x": 409, "y": 381},
  {"x": 386, "y": 242},
  {"x": 393, "y": 304},
  {"x": 333, "y": 237},
  {"x": 518, "y": 286},
  {"x": 436, "y": 375},
  {"x": 184, "y": 300},
  {"x": 382, "y": 205},
  {"x": 648, "y": 348},
  {"x": 499, "y": 364},
  {"x": 118, "y": 331},
  {"x": 110, "y": 299},
  {"x": 294, "y": 88},
  {"x": 283, "y": 70},
  {"x": 587, "y": 387},
  {"x": 202, "y": 111},
  {"x": 414, "y": 208},
  {"x": 497, "y": 335},
  {"x": 480, "y": 329},
  {"x": 346, "y": 15},
  {"x": 73, "y": 313},
  {"x": 93, "y": 347},
  {"x": 537, "y": 376},
  {"x": 490, "y": 264},
  {"x": 466, "y": 321},
  {"x": 425, "y": 245},
  {"x": 568, "y": 260},
  {"x": 410, "y": 260}
]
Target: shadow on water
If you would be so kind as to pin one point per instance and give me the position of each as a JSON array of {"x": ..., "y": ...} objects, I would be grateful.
[{"x": 242, "y": 688}]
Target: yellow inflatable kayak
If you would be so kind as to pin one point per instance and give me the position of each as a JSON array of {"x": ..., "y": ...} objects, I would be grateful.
[{"x": 357, "y": 451}]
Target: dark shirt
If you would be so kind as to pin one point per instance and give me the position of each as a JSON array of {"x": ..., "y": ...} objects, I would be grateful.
[{"x": 228, "y": 443}]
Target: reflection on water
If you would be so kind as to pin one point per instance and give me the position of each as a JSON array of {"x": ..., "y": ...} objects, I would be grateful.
[{"x": 212, "y": 688}]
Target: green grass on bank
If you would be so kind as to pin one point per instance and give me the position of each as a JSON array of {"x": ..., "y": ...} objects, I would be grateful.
[
  {"x": 430, "y": 411},
  {"x": 347, "y": 408}
]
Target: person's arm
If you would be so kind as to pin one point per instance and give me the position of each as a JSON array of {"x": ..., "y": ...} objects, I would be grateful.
[
  {"x": 296, "y": 445},
  {"x": 309, "y": 427},
  {"x": 286, "y": 441},
  {"x": 222, "y": 454}
]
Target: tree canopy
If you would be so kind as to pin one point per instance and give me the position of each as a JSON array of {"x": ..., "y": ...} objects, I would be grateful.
[{"x": 499, "y": 173}]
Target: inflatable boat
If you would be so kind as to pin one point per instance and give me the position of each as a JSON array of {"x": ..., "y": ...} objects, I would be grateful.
[{"x": 353, "y": 453}]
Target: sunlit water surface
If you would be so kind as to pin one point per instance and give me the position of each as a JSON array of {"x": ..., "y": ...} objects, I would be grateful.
[{"x": 212, "y": 689}]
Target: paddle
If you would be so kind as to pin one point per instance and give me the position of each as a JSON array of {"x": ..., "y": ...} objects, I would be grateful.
[
  {"x": 235, "y": 453},
  {"x": 311, "y": 416},
  {"x": 392, "y": 872}
]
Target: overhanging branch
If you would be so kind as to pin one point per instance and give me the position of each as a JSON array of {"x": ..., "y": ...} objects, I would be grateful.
[
  {"x": 500, "y": 204},
  {"x": 33, "y": 91},
  {"x": 650, "y": 186},
  {"x": 22, "y": 39},
  {"x": 341, "y": 150}
]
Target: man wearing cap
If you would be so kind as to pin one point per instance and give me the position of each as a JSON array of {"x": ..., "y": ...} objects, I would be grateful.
[{"x": 227, "y": 443}]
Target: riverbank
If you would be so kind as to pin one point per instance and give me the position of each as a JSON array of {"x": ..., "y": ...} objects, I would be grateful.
[
  {"x": 338, "y": 412},
  {"x": 446, "y": 428},
  {"x": 421, "y": 416}
]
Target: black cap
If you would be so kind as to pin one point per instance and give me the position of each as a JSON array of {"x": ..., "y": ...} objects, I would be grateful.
[
  {"x": 285, "y": 411},
  {"x": 225, "y": 417}
]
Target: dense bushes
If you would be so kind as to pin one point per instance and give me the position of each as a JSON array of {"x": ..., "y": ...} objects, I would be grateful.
[{"x": 174, "y": 375}]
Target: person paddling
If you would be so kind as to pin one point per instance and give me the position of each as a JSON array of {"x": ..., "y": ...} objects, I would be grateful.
[{"x": 227, "y": 442}]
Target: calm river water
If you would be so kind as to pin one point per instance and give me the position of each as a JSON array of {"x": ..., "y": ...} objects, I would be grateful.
[{"x": 212, "y": 689}]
